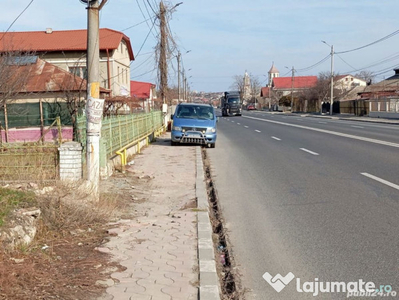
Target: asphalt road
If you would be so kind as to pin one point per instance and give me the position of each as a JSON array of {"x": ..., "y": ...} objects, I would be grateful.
[{"x": 315, "y": 197}]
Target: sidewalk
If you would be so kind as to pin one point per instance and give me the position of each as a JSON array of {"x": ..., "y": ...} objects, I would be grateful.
[{"x": 159, "y": 246}]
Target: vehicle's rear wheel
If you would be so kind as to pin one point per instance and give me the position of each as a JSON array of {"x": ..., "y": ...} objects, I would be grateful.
[
  {"x": 173, "y": 143},
  {"x": 212, "y": 145}
]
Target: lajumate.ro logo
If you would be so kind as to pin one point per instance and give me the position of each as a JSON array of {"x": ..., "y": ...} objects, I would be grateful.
[{"x": 358, "y": 288}]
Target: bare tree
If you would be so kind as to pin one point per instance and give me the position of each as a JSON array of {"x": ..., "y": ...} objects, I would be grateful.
[
  {"x": 14, "y": 75},
  {"x": 367, "y": 76},
  {"x": 255, "y": 87},
  {"x": 275, "y": 97},
  {"x": 238, "y": 84},
  {"x": 322, "y": 89}
]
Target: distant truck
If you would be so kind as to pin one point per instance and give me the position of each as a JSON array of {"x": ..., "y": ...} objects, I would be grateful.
[{"x": 230, "y": 104}]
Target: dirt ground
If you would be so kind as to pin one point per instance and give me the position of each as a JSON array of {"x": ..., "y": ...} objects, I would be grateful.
[{"x": 62, "y": 262}]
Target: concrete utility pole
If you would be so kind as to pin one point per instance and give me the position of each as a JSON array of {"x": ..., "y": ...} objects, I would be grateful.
[
  {"x": 94, "y": 105},
  {"x": 178, "y": 76},
  {"x": 332, "y": 77},
  {"x": 184, "y": 86},
  {"x": 332, "y": 80},
  {"x": 292, "y": 89},
  {"x": 163, "y": 66}
]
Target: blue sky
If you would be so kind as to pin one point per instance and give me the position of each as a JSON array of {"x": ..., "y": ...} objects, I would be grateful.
[{"x": 226, "y": 38}]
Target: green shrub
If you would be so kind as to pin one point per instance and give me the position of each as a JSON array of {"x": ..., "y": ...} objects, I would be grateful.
[{"x": 11, "y": 199}]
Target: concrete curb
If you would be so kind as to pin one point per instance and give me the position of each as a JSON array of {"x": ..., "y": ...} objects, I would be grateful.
[{"x": 208, "y": 278}]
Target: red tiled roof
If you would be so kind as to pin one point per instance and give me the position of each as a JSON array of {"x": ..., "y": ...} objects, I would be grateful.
[
  {"x": 41, "y": 76},
  {"x": 140, "y": 89},
  {"x": 265, "y": 92},
  {"x": 300, "y": 82},
  {"x": 64, "y": 40}
]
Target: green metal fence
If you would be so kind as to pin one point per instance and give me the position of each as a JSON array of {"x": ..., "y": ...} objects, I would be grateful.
[
  {"x": 119, "y": 131},
  {"x": 29, "y": 114}
]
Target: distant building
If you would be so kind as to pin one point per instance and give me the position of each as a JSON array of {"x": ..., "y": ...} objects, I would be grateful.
[
  {"x": 279, "y": 87},
  {"x": 288, "y": 85},
  {"x": 383, "y": 97},
  {"x": 246, "y": 93},
  {"x": 347, "y": 82},
  {"x": 273, "y": 73},
  {"x": 67, "y": 49},
  {"x": 145, "y": 93}
]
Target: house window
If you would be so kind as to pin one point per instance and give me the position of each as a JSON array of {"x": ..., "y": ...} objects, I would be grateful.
[{"x": 79, "y": 71}]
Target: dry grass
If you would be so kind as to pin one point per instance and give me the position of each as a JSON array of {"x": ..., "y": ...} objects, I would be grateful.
[{"x": 62, "y": 262}]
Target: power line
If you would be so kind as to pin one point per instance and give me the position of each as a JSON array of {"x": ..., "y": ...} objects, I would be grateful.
[
  {"x": 370, "y": 44},
  {"x": 144, "y": 16},
  {"x": 145, "y": 40},
  {"x": 137, "y": 24},
  {"x": 346, "y": 63},
  {"x": 146, "y": 60},
  {"x": 314, "y": 65},
  {"x": 9, "y": 27},
  {"x": 386, "y": 70},
  {"x": 151, "y": 7},
  {"x": 144, "y": 73}
]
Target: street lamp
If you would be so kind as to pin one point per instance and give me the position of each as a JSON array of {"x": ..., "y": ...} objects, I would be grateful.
[
  {"x": 332, "y": 77},
  {"x": 178, "y": 56},
  {"x": 180, "y": 3}
]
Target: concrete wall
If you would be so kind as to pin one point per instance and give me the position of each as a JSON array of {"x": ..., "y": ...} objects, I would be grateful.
[{"x": 33, "y": 134}]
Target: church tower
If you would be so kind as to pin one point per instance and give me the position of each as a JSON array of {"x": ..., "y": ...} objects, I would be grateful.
[
  {"x": 247, "y": 87},
  {"x": 273, "y": 72}
]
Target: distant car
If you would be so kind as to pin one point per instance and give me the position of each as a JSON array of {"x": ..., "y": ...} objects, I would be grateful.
[
  {"x": 194, "y": 123},
  {"x": 251, "y": 107}
]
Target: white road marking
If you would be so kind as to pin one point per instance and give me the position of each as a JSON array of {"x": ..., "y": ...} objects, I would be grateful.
[
  {"x": 308, "y": 151},
  {"x": 395, "y": 186},
  {"x": 357, "y": 126},
  {"x": 331, "y": 132},
  {"x": 232, "y": 121},
  {"x": 246, "y": 126},
  {"x": 276, "y": 138},
  {"x": 257, "y": 130},
  {"x": 238, "y": 123}
]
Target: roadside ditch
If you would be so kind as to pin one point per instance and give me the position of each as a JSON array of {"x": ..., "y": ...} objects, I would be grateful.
[{"x": 229, "y": 277}]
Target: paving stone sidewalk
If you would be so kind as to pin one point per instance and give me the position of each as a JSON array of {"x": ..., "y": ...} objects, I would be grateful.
[{"x": 159, "y": 246}]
